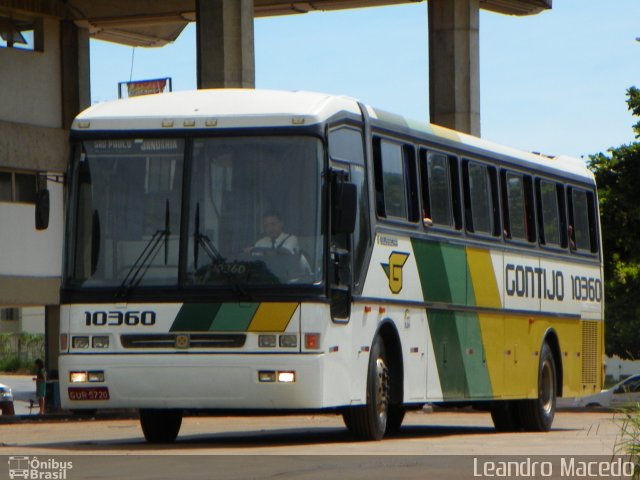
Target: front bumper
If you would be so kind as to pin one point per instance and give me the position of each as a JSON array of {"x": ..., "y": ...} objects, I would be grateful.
[{"x": 202, "y": 382}]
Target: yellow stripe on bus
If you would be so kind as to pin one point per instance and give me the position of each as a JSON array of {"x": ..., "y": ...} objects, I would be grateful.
[
  {"x": 272, "y": 317},
  {"x": 485, "y": 287},
  {"x": 492, "y": 329}
]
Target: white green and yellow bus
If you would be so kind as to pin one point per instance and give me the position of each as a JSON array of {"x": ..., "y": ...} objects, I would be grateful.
[{"x": 246, "y": 251}]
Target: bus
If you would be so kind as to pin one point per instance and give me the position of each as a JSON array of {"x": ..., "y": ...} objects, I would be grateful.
[{"x": 261, "y": 252}]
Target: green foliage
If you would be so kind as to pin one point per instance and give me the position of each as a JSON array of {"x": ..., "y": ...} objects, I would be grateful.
[
  {"x": 18, "y": 352},
  {"x": 628, "y": 440},
  {"x": 618, "y": 176},
  {"x": 634, "y": 106},
  {"x": 9, "y": 364}
]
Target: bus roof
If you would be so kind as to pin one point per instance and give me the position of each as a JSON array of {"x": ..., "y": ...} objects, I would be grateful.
[
  {"x": 223, "y": 108},
  {"x": 244, "y": 108}
]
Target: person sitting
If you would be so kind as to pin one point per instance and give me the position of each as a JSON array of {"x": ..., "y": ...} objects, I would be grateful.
[{"x": 275, "y": 238}]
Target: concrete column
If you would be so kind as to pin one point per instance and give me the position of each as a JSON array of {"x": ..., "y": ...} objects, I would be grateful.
[
  {"x": 51, "y": 353},
  {"x": 74, "y": 61},
  {"x": 51, "y": 336},
  {"x": 454, "y": 64},
  {"x": 225, "y": 44}
]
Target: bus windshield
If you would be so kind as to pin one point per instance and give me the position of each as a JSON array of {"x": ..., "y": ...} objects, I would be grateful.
[{"x": 250, "y": 218}]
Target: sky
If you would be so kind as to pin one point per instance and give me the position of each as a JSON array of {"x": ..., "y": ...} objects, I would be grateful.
[{"x": 553, "y": 83}]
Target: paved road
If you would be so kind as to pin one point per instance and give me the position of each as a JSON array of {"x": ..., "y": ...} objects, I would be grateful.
[
  {"x": 428, "y": 442},
  {"x": 429, "y": 445}
]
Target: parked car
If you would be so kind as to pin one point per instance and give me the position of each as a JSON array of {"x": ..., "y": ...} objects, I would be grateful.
[
  {"x": 624, "y": 393},
  {"x": 6, "y": 400}
]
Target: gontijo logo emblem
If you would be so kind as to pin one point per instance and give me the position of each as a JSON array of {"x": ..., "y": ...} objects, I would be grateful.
[{"x": 393, "y": 270}]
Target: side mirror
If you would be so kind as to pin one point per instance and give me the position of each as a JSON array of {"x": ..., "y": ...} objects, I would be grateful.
[
  {"x": 43, "y": 206},
  {"x": 344, "y": 208}
]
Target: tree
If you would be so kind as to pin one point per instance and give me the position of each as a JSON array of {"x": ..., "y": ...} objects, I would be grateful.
[
  {"x": 618, "y": 177},
  {"x": 634, "y": 106}
]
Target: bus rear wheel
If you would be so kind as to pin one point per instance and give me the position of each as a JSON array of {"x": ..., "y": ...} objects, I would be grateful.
[
  {"x": 369, "y": 422},
  {"x": 506, "y": 416},
  {"x": 537, "y": 415},
  {"x": 160, "y": 426}
]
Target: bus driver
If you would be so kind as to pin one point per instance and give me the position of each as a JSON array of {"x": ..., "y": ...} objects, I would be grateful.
[{"x": 275, "y": 239}]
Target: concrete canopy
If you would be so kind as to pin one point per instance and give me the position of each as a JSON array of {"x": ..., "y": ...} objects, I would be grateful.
[{"x": 149, "y": 23}]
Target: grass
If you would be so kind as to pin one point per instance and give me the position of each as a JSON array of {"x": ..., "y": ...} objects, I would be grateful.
[
  {"x": 628, "y": 441},
  {"x": 13, "y": 363},
  {"x": 18, "y": 352}
]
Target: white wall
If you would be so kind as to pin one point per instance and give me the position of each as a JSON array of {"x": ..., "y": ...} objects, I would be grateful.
[
  {"x": 32, "y": 320},
  {"x": 616, "y": 367},
  {"x": 25, "y": 251}
]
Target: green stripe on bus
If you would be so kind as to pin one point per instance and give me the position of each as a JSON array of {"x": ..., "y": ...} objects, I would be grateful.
[
  {"x": 195, "y": 317},
  {"x": 459, "y": 353},
  {"x": 443, "y": 272},
  {"x": 432, "y": 271},
  {"x": 472, "y": 350},
  {"x": 457, "y": 338},
  {"x": 234, "y": 317}
]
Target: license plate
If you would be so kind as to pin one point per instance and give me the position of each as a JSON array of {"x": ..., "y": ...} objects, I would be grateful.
[{"x": 88, "y": 393}]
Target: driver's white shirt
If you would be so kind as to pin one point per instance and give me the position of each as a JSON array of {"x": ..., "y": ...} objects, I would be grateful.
[{"x": 284, "y": 240}]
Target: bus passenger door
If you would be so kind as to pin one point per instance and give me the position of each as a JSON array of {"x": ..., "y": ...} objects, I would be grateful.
[
  {"x": 350, "y": 228},
  {"x": 343, "y": 201}
]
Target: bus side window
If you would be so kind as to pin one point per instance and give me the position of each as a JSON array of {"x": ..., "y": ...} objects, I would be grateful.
[
  {"x": 346, "y": 144},
  {"x": 551, "y": 218},
  {"x": 481, "y": 203},
  {"x": 395, "y": 180},
  {"x": 517, "y": 204},
  {"x": 437, "y": 200},
  {"x": 581, "y": 220}
]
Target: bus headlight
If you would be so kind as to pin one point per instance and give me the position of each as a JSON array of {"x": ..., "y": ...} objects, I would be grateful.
[
  {"x": 80, "y": 342},
  {"x": 287, "y": 377},
  {"x": 266, "y": 376},
  {"x": 266, "y": 341},
  {"x": 289, "y": 341},
  {"x": 97, "y": 376},
  {"x": 100, "y": 342},
  {"x": 78, "y": 377}
]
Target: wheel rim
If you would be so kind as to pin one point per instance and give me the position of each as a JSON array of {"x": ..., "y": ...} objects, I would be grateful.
[
  {"x": 547, "y": 387},
  {"x": 382, "y": 391}
]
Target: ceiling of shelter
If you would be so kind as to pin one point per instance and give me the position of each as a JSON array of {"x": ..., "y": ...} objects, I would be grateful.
[{"x": 152, "y": 23}]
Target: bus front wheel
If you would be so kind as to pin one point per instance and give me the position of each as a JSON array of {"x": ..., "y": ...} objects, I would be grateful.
[
  {"x": 369, "y": 422},
  {"x": 160, "y": 426}
]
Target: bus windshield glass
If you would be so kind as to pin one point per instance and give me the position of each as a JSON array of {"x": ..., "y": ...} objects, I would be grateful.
[
  {"x": 255, "y": 211},
  {"x": 250, "y": 218}
]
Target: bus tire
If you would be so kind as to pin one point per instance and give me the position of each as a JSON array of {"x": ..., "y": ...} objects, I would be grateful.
[
  {"x": 160, "y": 426},
  {"x": 369, "y": 422},
  {"x": 537, "y": 415},
  {"x": 506, "y": 416},
  {"x": 395, "y": 417}
]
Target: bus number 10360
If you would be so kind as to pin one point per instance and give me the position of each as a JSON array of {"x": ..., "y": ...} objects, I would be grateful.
[{"x": 117, "y": 318}]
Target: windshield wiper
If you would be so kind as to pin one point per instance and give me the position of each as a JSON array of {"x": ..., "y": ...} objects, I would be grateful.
[
  {"x": 147, "y": 256},
  {"x": 200, "y": 239}
]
